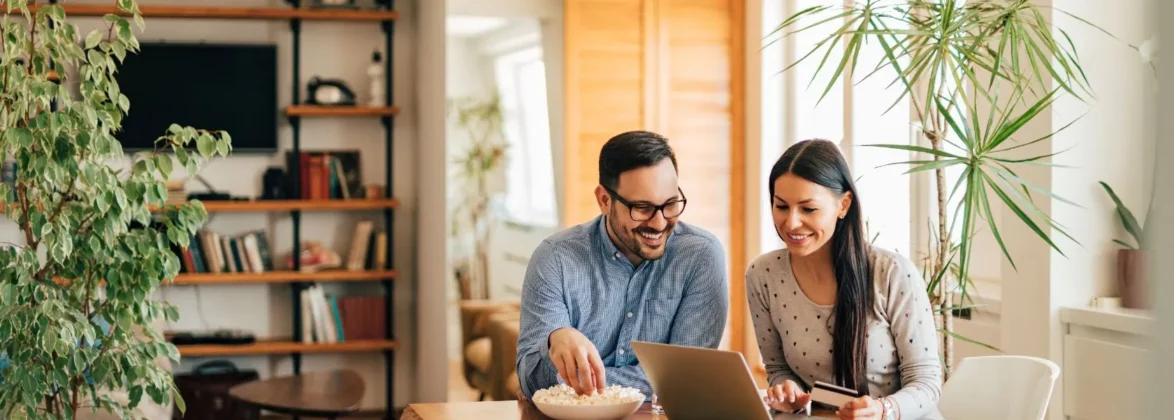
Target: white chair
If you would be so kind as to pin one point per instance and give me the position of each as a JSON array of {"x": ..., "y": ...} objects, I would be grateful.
[{"x": 999, "y": 387}]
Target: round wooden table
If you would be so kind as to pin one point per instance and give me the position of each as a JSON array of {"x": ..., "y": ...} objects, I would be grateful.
[{"x": 327, "y": 394}]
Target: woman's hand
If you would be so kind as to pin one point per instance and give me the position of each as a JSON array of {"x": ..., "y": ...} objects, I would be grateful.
[
  {"x": 863, "y": 408},
  {"x": 787, "y": 397}
]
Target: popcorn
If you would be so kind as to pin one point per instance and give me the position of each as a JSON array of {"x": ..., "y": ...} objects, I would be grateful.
[{"x": 562, "y": 394}]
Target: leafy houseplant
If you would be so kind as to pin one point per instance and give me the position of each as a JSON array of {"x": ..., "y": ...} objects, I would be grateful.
[
  {"x": 974, "y": 72},
  {"x": 75, "y": 312},
  {"x": 1131, "y": 278},
  {"x": 481, "y": 119}
]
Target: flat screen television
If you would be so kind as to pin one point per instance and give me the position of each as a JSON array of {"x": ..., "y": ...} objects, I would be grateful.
[{"x": 231, "y": 87}]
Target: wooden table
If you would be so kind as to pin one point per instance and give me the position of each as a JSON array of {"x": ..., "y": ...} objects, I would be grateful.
[
  {"x": 319, "y": 394},
  {"x": 520, "y": 410}
]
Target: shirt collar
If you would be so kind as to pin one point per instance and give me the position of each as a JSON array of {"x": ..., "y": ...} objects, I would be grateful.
[{"x": 606, "y": 246}]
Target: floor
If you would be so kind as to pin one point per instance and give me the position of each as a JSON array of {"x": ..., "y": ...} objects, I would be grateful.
[{"x": 458, "y": 389}]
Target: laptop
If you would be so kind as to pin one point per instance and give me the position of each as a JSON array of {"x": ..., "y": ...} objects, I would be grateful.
[{"x": 703, "y": 383}]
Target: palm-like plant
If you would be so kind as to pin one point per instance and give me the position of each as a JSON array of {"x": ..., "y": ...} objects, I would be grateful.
[{"x": 976, "y": 72}]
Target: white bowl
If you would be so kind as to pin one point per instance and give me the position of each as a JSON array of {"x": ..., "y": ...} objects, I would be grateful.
[{"x": 588, "y": 412}]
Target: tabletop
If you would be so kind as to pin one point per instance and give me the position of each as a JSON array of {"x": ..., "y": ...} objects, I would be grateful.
[
  {"x": 330, "y": 393},
  {"x": 523, "y": 410}
]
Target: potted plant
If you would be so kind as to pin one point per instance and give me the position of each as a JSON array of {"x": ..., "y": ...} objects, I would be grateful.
[
  {"x": 973, "y": 71},
  {"x": 76, "y": 313},
  {"x": 481, "y": 120},
  {"x": 1131, "y": 280}
]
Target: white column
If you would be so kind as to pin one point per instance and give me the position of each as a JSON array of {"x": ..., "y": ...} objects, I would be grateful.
[{"x": 431, "y": 362}]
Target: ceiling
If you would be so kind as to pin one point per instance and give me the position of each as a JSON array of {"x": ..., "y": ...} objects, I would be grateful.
[{"x": 468, "y": 26}]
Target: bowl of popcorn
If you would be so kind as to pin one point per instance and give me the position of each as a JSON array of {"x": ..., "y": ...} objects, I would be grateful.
[{"x": 560, "y": 402}]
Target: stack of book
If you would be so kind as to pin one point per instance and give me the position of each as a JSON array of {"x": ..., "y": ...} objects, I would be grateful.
[
  {"x": 326, "y": 175},
  {"x": 211, "y": 252},
  {"x": 328, "y": 318},
  {"x": 368, "y": 248}
]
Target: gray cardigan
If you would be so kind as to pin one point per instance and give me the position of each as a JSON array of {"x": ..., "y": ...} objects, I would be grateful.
[{"x": 794, "y": 334}]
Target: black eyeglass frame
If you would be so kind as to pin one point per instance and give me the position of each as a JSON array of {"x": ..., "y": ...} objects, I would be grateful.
[{"x": 655, "y": 208}]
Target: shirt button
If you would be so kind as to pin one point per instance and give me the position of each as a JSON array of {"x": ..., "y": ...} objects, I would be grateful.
[
  {"x": 629, "y": 314},
  {"x": 621, "y": 351}
]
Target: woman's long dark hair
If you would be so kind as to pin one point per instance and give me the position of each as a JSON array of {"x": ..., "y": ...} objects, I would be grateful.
[{"x": 820, "y": 161}]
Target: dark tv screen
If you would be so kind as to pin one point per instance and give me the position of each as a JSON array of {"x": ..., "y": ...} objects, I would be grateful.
[{"x": 207, "y": 86}]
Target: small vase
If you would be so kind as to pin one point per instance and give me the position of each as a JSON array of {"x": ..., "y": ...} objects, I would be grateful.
[{"x": 1131, "y": 279}]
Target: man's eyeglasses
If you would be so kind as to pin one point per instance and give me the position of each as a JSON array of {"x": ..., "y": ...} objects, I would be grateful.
[{"x": 642, "y": 212}]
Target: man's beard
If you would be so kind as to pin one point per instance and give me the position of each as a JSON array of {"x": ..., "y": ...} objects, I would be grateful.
[{"x": 628, "y": 240}]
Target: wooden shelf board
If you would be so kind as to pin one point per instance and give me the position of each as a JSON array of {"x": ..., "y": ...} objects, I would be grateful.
[
  {"x": 234, "y": 12},
  {"x": 340, "y": 111},
  {"x": 302, "y": 205},
  {"x": 193, "y": 279},
  {"x": 284, "y": 346}
]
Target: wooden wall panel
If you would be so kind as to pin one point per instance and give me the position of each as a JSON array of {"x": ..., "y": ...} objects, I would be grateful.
[
  {"x": 696, "y": 104},
  {"x": 604, "y": 91},
  {"x": 673, "y": 67}
]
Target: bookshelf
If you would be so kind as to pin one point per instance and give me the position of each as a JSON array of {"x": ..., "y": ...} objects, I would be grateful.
[
  {"x": 195, "y": 279},
  {"x": 299, "y": 205},
  {"x": 336, "y": 111},
  {"x": 380, "y": 338},
  {"x": 234, "y": 12},
  {"x": 285, "y": 346}
]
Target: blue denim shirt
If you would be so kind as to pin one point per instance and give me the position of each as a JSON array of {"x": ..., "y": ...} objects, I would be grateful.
[{"x": 578, "y": 278}]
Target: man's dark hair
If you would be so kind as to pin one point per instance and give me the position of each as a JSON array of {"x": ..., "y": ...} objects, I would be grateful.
[{"x": 631, "y": 150}]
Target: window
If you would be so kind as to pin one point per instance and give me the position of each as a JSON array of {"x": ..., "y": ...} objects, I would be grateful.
[
  {"x": 852, "y": 115},
  {"x": 897, "y": 206},
  {"x": 521, "y": 82}
]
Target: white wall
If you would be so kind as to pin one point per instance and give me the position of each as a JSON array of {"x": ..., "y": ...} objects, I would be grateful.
[
  {"x": 1107, "y": 143},
  {"x": 550, "y": 19},
  {"x": 463, "y": 78},
  {"x": 1112, "y": 142},
  {"x": 431, "y": 381},
  {"x": 1160, "y": 365},
  {"x": 469, "y": 72},
  {"x": 335, "y": 50}
]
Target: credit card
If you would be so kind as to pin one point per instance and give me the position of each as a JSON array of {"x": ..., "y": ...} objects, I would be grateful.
[{"x": 833, "y": 395}]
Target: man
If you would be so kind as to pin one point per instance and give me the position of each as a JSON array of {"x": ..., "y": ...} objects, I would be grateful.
[{"x": 633, "y": 273}]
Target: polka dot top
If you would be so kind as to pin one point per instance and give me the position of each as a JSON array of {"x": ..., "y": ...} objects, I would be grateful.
[{"x": 794, "y": 334}]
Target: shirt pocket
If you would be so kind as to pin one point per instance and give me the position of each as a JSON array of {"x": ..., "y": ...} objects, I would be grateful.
[{"x": 658, "y": 319}]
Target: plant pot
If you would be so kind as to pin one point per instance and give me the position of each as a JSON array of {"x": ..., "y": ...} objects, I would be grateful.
[{"x": 1131, "y": 279}]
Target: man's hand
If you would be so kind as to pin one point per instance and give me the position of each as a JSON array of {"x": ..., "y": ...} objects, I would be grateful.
[
  {"x": 787, "y": 397},
  {"x": 577, "y": 361}
]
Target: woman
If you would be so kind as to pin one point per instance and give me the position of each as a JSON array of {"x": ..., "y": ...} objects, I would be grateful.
[{"x": 832, "y": 308}]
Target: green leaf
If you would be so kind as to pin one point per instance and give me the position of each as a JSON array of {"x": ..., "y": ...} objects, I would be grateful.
[
  {"x": 93, "y": 39},
  {"x": 1027, "y": 220},
  {"x": 179, "y": 402},
  {"x": 21, "y": 136},
  {"x": 1126, "y": 216},
  {"x": 54, "y": 11},
  {"x": 916, "y": 149},
  {"x": 120, "y": 52},
  {"x": 205, "y": 146},
  {"x": 938, "y": 164},
  {"x": 8, "y": 294},
  {"x": 222, "y": 148},
  {"x": 136, "y": 395},
  {"x": 1118, "y": 241},
  {"x": 164, "y": 165},
  {"x": 968, "y": 339},
  {"x": 124, "y": 33}
]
